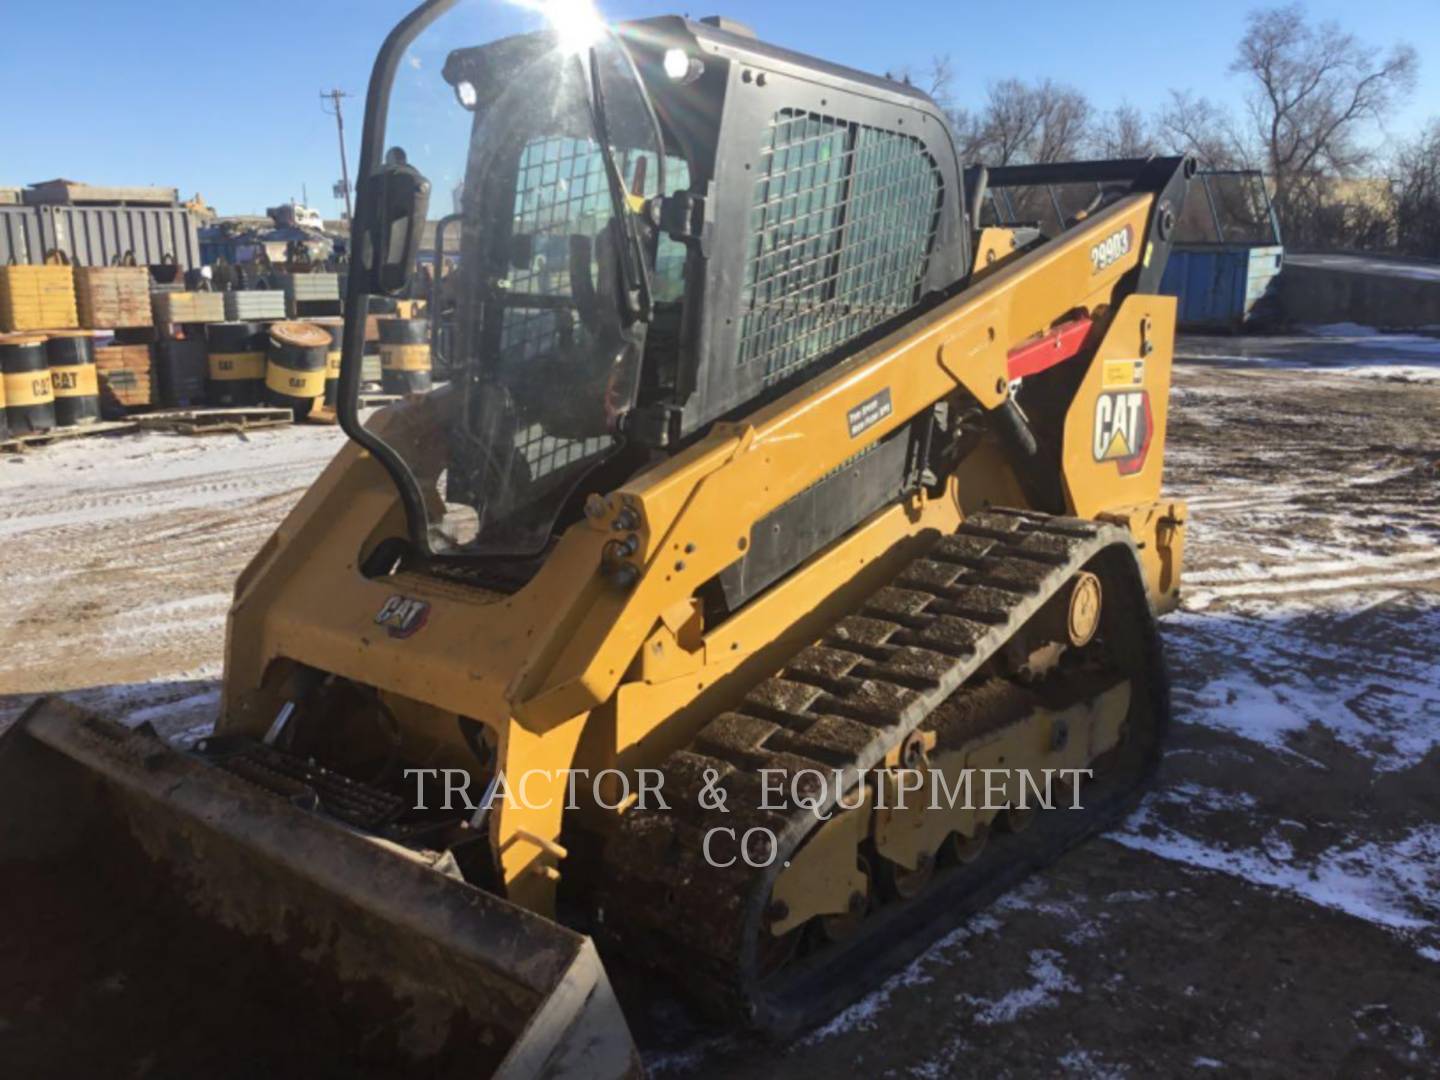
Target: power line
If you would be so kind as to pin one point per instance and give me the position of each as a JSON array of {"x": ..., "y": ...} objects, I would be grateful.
[{"x": 334, "y": 97}]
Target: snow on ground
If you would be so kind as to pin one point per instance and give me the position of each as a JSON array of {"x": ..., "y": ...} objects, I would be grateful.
[
  {"x": 869, "y": 1010},
  {"x": 1310, "y": 635},
  {"x": 119, "y": 556},
  {"x": 1342, "y": 330},
  {"x": 1388, "y": 711},
  {"x": 1370, "y": 265},
  {"x": 1048, "y": 982},
  {"x": 1338, "y": 349},
  {"x": 1392, "y": 884}
]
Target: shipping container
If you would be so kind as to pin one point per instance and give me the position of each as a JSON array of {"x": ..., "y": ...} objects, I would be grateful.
[
  {"x": 99, "y": 236},
  {"x": 20, "y": 235}
]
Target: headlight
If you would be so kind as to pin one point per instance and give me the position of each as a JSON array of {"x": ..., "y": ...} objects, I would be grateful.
[{"x": 682, "y": 67}]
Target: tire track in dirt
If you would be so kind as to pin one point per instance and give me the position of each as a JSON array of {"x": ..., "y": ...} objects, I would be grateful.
[{"x": 121, "y": 554}]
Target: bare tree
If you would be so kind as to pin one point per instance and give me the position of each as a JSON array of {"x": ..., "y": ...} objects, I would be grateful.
[
  {"x": 937, "y": 78},
  {"x": 1196, "y": 125},
  {"x": 1417, "y": 193},
  {"x": 1124, "y": 132},
  {"x": 1066, "y": 119},
  {"x": 1040, "y": 122},
  {"x": 1011, "y": 118},
  {"x": 970, "y": 136},
  {"x": 1314, "y": 90}
]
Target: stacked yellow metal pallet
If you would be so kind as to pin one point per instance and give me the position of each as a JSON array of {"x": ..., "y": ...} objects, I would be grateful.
[{"x": 37, "y": 298}]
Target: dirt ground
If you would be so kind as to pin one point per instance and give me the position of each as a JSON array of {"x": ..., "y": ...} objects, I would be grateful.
[{"x": 1273, "y": 907}]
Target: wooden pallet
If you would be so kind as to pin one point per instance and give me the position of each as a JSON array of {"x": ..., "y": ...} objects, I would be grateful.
[
  {"x": 16, "y": 444},
  {"x": 113, "y": 296},
  {"x": 208, "y": 421},
  {"x": 215, "y": 421}
]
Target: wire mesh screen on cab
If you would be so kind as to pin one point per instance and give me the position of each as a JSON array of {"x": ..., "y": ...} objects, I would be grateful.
[
  {"x": 561, "y": 190},
  {"x": 842, "y": 226}
]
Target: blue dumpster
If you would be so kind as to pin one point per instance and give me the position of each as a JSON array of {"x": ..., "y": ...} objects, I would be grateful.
[{"x": 1221, "y": 288}]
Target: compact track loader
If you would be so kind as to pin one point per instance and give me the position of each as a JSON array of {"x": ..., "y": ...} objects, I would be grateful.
[{"x": 771, "y": 480}]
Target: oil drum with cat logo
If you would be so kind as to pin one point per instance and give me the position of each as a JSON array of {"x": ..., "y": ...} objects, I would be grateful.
[
  {"x": 405, "y": 356},
  {"x": 73, "y": 378},
  {"x": 295, "y": 367},
  {"x": 235, "y": 374},
  {"x": 29, "y": 393},
  {"x": 335, "y": 327}
]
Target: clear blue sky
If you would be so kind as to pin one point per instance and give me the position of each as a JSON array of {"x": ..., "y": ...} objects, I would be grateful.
[{"x": 220, "y": 97}]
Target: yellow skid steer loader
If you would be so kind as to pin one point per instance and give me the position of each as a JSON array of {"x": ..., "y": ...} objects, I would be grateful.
[{"x": 771, "y": 474}]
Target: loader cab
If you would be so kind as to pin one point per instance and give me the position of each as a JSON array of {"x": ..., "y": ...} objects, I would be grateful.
[{"x": 600, "y": 319}]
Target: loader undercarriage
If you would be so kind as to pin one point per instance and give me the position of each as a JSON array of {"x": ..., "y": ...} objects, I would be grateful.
[{"x": 916, "y": 680}]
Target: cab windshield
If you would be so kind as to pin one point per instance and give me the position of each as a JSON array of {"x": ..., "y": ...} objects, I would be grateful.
[{"x": 540, "y": 149}]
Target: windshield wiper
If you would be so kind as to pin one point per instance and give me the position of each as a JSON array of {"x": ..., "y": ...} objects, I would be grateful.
[{"x": 638, "y": 301}]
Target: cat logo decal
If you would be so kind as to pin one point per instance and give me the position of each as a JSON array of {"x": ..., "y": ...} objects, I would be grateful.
[{"x": 1123, "y": 428}]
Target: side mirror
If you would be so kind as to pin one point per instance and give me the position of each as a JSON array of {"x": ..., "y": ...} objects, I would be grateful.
[{"x": 394, "y": 219}]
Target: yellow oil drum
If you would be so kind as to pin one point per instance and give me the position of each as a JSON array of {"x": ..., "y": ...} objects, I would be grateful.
[
  {"x": 73, "y": 378},
  {"x": 335, "y": 327},
  {"x": 29, "y": 393},
  {"x": 405, "y": 356},
  {"x": 235, "y": 374},
  {"x": 295, "y": 366}
]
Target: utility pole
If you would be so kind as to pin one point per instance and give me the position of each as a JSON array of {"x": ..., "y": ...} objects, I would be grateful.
[{"x": 334, "y": 97}]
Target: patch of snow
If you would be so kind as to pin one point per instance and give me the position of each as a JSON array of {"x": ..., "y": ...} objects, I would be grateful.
[
  {"x": 1130, "y": 896},
  {"x": 1085, "y": 932},
  {"x": 864, "y": 1014},
  {"x": 1341, "y": 329},
  {"x": 1086, "y": 1064},
  {"x": 1385, "y": 708},
  {"x": 178, "y": 473},
  {"x": 1209, "y": 798},
  {"x": 1397, "y": 372},
  {"x": 1364, "y": 573},
  {"x": 1429, "y": 953},
  {"x": 691, "y": 1058},
  {"x": 1206, "y": 1063},
  {"x": 1316, "y": 569},
  {"x": 1389, "y": 883},
  {"x": 941, "y": 1067},
  {"x": 1050, "y": 981}
]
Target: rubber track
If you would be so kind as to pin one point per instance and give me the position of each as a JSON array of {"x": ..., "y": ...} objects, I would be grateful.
[{"x": 877, "y": 676}]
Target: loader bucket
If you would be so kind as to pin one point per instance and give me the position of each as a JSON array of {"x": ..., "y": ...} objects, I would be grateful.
[{"x": 161, "y": 917}]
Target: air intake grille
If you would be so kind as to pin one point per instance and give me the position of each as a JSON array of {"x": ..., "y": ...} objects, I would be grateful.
[{"x": 842, "y": 226}]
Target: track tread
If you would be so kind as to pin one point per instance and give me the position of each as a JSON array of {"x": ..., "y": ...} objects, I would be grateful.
[{"x": 845, "y": 702}]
